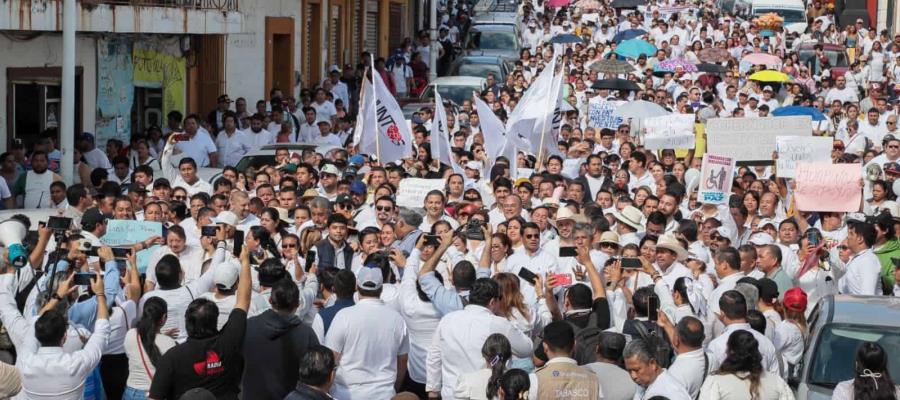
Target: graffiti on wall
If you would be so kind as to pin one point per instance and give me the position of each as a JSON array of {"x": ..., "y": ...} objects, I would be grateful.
[
  {"x": 156, "y": 68},
  {"x": 115, "y": 92}
]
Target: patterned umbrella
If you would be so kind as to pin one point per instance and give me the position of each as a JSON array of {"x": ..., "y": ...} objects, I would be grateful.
[
  {"x": 713, "y": 55},
  {"x": 673, "y": 65},
  {"x": 589, "y": 5},
  {"x": 612, "y": 66}
]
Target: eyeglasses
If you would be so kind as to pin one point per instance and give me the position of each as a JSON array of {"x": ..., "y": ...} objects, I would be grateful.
[
  {"x": 532, "y": 236},
  {"x": 384, "y": 208},
  {"x": 288, "y": 246}
]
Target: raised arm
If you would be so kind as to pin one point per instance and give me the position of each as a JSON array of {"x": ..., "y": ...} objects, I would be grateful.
[
  {"x": 584, "y": 258},
  {"x": 244, "y": 282},
  {"x": 485, "y": 261},
  {"x": 446, "y": 242},
  {"x": 36, "y": 258}
]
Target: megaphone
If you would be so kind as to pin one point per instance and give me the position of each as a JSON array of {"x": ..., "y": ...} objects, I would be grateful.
[{"x": 12, "y": 233}]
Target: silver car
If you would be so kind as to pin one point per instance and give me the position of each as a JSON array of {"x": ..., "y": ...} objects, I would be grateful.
[{"x": 837, "y": 326}]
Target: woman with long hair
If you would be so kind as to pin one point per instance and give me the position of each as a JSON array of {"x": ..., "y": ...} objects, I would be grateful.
[
  {"x": 259, "y": 243},
  {"x": 528, "y": 319},
  {"x": 271, "y": 220},
  {"x": 144, "y": 346},
  {"x": 742, "y": 376},
  {"x": 873, "y": 379},
  {"x": 496, "y": 250},
  {"x": 483, "y": 384}
]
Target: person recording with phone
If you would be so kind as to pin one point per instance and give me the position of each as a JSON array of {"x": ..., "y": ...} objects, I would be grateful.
[
  {"x": 46, "y": 367},
  {"x": 463, "y": 274}
]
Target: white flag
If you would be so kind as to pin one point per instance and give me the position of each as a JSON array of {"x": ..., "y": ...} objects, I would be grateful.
[
  {"x": 384, "y": 128},
  {"x": 365, "y": 107},
  {"x": 525, "y": 119},
  {"x": 496, "y": 140},
  {"x": 440, "y": 136}
]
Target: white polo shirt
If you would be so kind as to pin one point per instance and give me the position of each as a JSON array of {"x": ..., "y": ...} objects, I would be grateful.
[
  {"x": 198, "y": 148},
  {"x": 369, "y": 337},
  {"x": 232, "y": 148}
]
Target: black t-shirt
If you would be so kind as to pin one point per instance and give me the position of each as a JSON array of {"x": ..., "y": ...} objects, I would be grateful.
[{"x": 215, "y": 364}]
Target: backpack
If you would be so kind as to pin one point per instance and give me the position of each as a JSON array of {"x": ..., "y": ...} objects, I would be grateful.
[{"x": 658, "y": 343}]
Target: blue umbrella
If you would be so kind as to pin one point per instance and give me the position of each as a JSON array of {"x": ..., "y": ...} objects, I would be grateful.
[
  {"x": 628, "y": 34},
  {"x": 566, "y": 38},
  {"x": 799, "y": 110},
  {"x": 634, "y": 48}
]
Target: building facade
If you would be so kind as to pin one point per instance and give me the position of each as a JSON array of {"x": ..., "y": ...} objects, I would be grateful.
[{"x": 136, "y": 60}]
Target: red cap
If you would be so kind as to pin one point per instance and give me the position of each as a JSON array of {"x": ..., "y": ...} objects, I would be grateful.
[{"x": 795, "y": 299}]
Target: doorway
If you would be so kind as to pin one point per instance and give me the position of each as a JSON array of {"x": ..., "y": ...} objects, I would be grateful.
[
  {"x": 34, "y": 104},
  {"x": 279, "y": 54}
]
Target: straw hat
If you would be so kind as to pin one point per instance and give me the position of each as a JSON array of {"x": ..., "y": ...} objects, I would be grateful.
[
  {"x": 630, "y": 216},
  {"x": 669, "y": 242}
]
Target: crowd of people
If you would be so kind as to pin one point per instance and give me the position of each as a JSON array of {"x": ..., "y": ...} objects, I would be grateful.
[{"x": 585, "y": 269}]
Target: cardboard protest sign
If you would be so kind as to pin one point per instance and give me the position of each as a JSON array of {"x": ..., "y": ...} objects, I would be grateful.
[
  {"x": 794, "y": 149},
  {"x": 752, "y": 140},
  {"x": 828, "y": 187},
  {"x": 412, "y": 191},
  {"x": 120, "y": 232},
  {"x": 674, "y": 131},
  {"x": 716, "y": 178}
]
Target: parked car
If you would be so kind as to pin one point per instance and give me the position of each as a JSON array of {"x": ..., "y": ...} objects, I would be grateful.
[
  {"x": 480, "y": 66},
  {"x": 494, "y": 39},
  {"x": 495, "y": 18},
  {"x": 262, "y": 157},
  {"x": 837, "y": 326},
  {"x": 455, "y": 88},
  {"x": 837, "y": 56}
]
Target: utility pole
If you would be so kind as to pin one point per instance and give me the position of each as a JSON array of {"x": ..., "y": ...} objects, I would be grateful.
[{"x": 67, "y": 114}]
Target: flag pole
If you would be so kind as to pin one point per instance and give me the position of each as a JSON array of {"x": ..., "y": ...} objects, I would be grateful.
[{"x": 375, "y": 105}]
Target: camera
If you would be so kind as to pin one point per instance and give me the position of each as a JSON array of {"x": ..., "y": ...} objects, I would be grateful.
[{"x": 473, "y": 230}]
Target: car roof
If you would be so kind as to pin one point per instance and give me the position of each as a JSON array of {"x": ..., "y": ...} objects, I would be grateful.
[
  {"x": 501, "y": 18},
  {"x": 825, "y": 46},
  {"x": 479, "y": 59},
  {"x": 785, "y": 4},
  {"x": 859, "y": 310},
  {"x": 493, "y": 28},
  {"x": 458, "y": 81}
]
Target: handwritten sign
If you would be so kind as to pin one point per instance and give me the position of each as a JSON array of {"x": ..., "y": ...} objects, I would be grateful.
[
  {"x": 716, "y": 178},
  {"x": 794, "y": 149},
  {"x": 674, "y": 131},
  {"x": 121, "y": 232},
  {"x": 602, "y": 114},
  {"x": 828, "y": 187},
  {"x": 412, "y": 192},
  {"x": 752, "y": 140}
]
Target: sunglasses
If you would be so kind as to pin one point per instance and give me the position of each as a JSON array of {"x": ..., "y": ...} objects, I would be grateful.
[
  {"x": 179, "y": 198},
  {"x": 383, "y": 208},
  {"x": 288, "y": 246},
  {"x": 532, "y": 236},
  {"x": 718, "y": 238},
  {"x": 843, "y": 247},
  {"x": 609, "y": 246}
]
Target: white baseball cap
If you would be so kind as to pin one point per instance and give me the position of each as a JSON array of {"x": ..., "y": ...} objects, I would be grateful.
[
  {"x": 761, "y": 239},
  {"x": 225, "y": 276},
  {"x": 369, "y": 278}
]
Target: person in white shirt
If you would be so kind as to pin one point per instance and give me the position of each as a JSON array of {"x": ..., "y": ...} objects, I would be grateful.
[
  {"x": 733, "y": 314},
  {"x": 652, "y": 380},
  {"x": 232, "y": 144},
  {"x": 47, "y": 371},
  {"x": 692, "y": 364},
  {"x": 258, "y": 135},
  {"x": 742, "y": 374},
  {"x": 863, "y": 276},
  {"x": 144, "y": 345},
  {"x": 186, "y": 176},
  {"x": 196, "y": 143},
  {"x": 324, "y": 107},
  {"x": 371, "y": 343},
  {"x": 533, "y": 258},
  {"x": 456, "y": 345},
  {"x": 325, "y": 137},
  {"x": 338, "y": 88},
  {"x": 309, "y": 128},
  {"x": 94, "y": 157}
]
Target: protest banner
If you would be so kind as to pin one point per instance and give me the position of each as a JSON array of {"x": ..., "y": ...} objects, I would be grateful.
[
  {"x": 716, "y": 178},
  {"x": 120, "y": 232},
  {"x": 828, "y": 187},
  {"x": 752, "y": 140},
  {"x": 602, "y": 114},
  {"x": 674, "y": 131},
  {"x": 126, "y": 232},
  {"x": 794, "y": 149},
  {"x": 412, "y": 191}
]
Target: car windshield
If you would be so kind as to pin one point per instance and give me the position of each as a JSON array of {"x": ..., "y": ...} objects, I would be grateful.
[
  {"x": 790, "y": 16},
  {"x": 836, "y": 58},
  {"x": 479, "y": 70},
  {"x": 455, "y": 93},
  {"x": 835, "y": 354},
  {"x": 492, "y": 40}
]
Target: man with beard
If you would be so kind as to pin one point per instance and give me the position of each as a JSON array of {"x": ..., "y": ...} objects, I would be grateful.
[
  {"x": 34, "y": 185},
  {"x": 260, "y": 136}
]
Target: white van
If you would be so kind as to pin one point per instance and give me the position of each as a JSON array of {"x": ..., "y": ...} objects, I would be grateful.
[{"x": 793, "y": 11}]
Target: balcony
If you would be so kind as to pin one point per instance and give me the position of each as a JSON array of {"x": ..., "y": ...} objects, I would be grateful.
[{"x": 127, "y": 16}]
